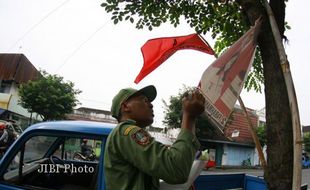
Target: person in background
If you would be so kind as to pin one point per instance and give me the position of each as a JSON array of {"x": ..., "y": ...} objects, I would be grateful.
[
  {"x": 133, "y": 159},
  {"x": 85, "y": 148},
  {"x": 4, "y": 137}
]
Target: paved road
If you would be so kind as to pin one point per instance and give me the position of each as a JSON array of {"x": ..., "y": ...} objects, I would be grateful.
[{"x": 256, "y": 172}]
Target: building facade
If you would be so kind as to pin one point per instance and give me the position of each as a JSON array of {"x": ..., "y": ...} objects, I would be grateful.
[
  {"x": 15, "y": 69},
  {"x": 90, "y": 114},
  {"x": 235, "y": 147}
]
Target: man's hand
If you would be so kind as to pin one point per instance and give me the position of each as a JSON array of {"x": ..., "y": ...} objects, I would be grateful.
[{"x": 193, "y": 104}]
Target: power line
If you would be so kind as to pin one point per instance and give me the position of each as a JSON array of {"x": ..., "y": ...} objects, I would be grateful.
[
  {"x": 80, "y": 46},
  {"x": 35, "y": 25}
]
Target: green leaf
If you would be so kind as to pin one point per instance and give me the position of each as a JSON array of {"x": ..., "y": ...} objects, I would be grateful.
[
  {"x": 224, "y": 21},
  {"x": 44, "y": 96}
]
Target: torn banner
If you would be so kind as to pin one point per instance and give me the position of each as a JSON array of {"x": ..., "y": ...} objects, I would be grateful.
[{"x": 223, "y": 80}]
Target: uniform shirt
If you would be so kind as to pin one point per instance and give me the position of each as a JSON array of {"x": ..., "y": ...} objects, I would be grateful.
[{"x": 133, "y": 160}]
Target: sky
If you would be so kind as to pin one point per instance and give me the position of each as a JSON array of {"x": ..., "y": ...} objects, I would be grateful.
[{"x": 78, "y": 41}]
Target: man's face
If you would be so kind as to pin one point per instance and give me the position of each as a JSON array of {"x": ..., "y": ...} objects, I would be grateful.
[{"x": 140, "y": 109}]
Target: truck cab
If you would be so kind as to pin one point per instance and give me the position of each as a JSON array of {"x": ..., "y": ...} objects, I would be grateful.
[{"x": 44, "y": 157}]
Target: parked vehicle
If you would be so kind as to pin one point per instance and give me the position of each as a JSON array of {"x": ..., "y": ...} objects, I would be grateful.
[
  {"x": 305, "y": 161},
  {"x": 12, "y": 127},
  {"x": 8, "y": 136},
  {"x": 43, "y": 158}
]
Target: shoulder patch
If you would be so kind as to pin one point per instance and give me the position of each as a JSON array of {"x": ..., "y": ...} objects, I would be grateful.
[
  {"x": 141, "y": 137},
  {"x": 128, "y": 129}
]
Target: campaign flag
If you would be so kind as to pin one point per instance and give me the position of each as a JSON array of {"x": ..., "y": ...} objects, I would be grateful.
[
  {"x": 222, "y": 82},
  {"x": 158, "y": 50}
]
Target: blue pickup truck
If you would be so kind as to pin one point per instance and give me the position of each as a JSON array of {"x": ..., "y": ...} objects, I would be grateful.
[{"x": 45, "y": 157}]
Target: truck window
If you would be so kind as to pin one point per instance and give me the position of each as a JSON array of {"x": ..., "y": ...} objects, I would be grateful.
[{"x": 80, "y": 149}]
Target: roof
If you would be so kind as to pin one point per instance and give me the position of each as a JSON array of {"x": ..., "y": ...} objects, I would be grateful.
[
  {"x": 16, "y": 67},
  {"x": 85, "y": 109},
  {"x": 88, "y": 127},
  {"x": 239, "y": 123},
  {"x": 229, "y": 142}
]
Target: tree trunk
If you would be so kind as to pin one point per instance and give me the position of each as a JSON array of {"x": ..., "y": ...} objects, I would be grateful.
[
  {"x": 279, "y": 130},
  {"x": 278, "y": 117}
]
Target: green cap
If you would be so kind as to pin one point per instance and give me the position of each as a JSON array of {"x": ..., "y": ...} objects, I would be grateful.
[{"x": 124, "y": 94}]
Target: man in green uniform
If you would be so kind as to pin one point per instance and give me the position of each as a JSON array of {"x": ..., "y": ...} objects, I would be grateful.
[{"x": 132, "y": 158}]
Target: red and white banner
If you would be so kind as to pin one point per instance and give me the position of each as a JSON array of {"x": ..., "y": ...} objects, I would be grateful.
[{"x": 223, "y": 80}]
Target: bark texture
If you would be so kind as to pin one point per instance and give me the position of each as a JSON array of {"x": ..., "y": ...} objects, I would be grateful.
[{"x": 278, "y": 116}]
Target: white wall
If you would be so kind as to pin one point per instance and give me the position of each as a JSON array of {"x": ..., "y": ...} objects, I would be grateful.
[{"x": 14, "y": 106}]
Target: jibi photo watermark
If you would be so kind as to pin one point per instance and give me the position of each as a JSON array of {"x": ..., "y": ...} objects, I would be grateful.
[{"x": 65, "y": 168}]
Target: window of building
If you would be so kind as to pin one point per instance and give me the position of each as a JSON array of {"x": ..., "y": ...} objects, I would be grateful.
[{"x": 5, "y": 86}]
